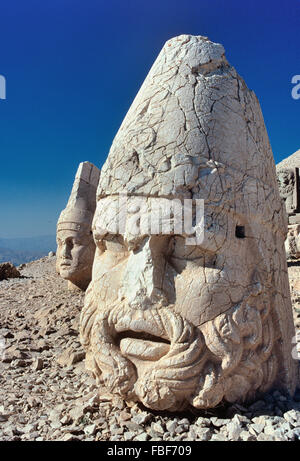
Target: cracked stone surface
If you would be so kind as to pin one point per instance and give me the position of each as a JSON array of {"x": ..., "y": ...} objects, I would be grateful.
[
  {"x": 75, "y": 244},
  {"x": 172, "y": 325}
]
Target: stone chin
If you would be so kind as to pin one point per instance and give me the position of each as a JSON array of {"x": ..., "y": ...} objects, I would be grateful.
[
  {"x": 71, "y": 270},
  {"x": 157, "y": 357},
  {"x": 78, "y": 276},
  {"x": 66, "y": 271}
]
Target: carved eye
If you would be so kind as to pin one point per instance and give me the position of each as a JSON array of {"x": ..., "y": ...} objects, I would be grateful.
[
  {"x": 70, "y": 243},
  {"x": 240, "y": 232}
]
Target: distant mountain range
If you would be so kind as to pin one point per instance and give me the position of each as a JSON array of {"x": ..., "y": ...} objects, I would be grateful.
[{"x": 23, "y": 250}]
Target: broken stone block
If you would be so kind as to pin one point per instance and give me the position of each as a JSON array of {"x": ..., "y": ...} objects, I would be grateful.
[{"x": 8, "y": 271}]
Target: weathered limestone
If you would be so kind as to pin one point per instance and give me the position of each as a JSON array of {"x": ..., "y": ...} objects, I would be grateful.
[
  {"x": 292, "y": 243},
  {"x": 289, "y": 187},
  {"x": 165, "y": 322},
  {"x": 75, "y": 244}
]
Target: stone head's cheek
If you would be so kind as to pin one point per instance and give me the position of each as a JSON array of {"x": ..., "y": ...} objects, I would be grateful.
[
  {"x": 108, "y": 274},
  {"x": 58, "y": 254},
  {"x": 58, "y": 259},
  {"x": 82, "y": 255},
  {"x": 75, "y": 254},
  {"x": 202, "y": 294}
]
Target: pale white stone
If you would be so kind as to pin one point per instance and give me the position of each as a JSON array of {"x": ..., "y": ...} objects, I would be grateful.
[
  {"x": 75, "y": 244},
  {"x": 170, "y": 324},
  {"x": 292, "y": 243}
]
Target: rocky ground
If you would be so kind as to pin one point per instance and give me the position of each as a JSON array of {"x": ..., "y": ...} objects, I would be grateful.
[{"x": 45, "y": 393}]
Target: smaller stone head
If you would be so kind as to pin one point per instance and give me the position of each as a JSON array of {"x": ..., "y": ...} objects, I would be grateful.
[
  {"x": 75, "y": 244},
  {"x": 286, "y": 184},
  {"x": 292, "y": 243},
  {"x": 75, "y": 249}
]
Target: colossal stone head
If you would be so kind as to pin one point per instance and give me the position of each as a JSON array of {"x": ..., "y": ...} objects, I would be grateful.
[
  {"x": 166, "y": 322},
  {"x": 75, "y": 243}
]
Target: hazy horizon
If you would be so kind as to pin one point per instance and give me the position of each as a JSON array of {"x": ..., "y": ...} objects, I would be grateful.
[
  {"x": 16, "y": 237},
  {"x": 20, "y": 250}
]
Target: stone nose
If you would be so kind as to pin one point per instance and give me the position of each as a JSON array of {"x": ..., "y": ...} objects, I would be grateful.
[
  {"x": 66, "y": 251},
  {"x": 144, "y": 276}
]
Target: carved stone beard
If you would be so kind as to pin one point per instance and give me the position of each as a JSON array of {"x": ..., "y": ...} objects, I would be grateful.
[{"x": 159, "y": 358}]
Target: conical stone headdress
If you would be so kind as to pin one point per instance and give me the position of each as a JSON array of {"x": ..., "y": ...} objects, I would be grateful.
[
  {"x": 80, "y": 209},
  {"x": 195, "y": 130}
]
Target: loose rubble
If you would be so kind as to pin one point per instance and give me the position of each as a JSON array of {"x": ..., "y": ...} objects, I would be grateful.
[{"x": 46, "y": 394}]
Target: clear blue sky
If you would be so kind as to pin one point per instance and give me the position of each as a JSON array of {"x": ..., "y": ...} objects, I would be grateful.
[{"x": 73, "y": 68}]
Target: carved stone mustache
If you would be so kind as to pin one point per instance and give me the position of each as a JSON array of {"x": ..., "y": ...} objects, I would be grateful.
[
  {"x": 66, "y": 262},
  {"x": 163, "y": 340},
  {"x": 159, "y": 358}
]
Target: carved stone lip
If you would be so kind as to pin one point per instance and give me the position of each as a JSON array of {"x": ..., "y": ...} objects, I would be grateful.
[
  {"x": 139, "y": 337},
  {"x": 65, "y": 263},
  {"x": 142, "y": 345},
  {"x": 142, "y": 349}
]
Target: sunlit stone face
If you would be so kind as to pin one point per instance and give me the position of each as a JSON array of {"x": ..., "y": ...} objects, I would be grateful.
[
  {"x": 75, "y": 244},
  {"x": 75, "y": 253},
  {"x": 198, "y": 281},
  {"x": 168, "y": 322}
]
